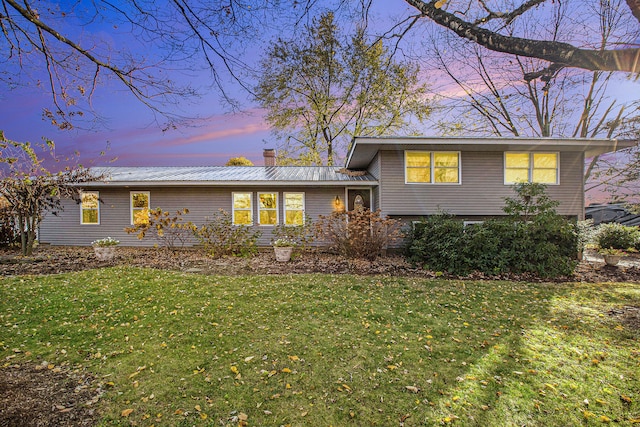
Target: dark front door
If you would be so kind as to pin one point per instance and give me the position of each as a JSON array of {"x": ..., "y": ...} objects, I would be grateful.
[{"x": 357, "y": 198}]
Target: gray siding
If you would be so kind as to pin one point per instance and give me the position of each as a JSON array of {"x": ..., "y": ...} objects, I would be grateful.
[
  {"x": 481, "y": 191},
  {"x": 202, "y": 202},
  {"x": 374, "y": 170}
]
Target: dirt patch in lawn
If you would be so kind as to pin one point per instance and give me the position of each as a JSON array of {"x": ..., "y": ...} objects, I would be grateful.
[{"x": 46, "y": 396}]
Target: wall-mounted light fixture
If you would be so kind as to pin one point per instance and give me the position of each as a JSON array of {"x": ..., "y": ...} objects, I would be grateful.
[{"x": 338, "y": 206}]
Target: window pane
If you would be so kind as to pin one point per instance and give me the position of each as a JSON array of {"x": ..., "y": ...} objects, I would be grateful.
[
  {"x": 268, "y": 200},
  {"x": 89, "y": 216},
  {"x": 418, "y": 175},
  {"x": 418, "y": 158},
  {"x": 293, "y": 201},
  {"x": 242, "y": 217},
  {"x": 516, "y": 175},
  {"x": 90, "y": 200},
  {"x": 545, "y": 160},
  {"x": 446, "y": 175},
  {"x": 140, "y": 200},
  {"x": 517, "y": 160},
  {"x": 294, "y": 218},
  {"x": 545, "y": 176},
  {"x": 445, "y": 159},
  {"x": 242, "y": 200},
  {"x": 268, "y": 217},
  {"x": 140, "y": 216}
]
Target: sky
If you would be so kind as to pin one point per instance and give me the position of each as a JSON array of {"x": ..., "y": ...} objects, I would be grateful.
[{"x": 131, "y": 134}]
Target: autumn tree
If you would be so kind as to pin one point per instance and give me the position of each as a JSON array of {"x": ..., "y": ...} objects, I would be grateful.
[
  {"x": 323, "y": 88},
  {"x": 30, "y": 190},
  {"x": 239, "y": 161}
]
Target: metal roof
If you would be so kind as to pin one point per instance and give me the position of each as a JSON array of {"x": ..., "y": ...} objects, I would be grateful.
[
  {"x": 230, "y": 175},
  {"x": 364, "y": 149}
]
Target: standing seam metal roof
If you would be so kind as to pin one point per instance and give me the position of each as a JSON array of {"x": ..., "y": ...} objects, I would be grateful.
[{"x": 204, "y": 174}]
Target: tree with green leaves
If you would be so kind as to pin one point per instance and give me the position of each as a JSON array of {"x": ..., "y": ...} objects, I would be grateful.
[
  {"x": 324, "y": 88},
  {"x": 30, "y": 190}
]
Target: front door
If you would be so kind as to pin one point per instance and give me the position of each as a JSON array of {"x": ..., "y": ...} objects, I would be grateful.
[{"x": 358, "y": 198}]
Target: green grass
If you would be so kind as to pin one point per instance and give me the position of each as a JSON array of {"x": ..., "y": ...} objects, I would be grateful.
[{"x": 320, "y": 350}]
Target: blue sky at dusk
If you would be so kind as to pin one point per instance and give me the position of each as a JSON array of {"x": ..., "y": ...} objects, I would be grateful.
[{"x": 133, "y": 134}]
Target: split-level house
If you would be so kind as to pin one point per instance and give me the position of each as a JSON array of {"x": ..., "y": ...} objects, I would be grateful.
[{"x": 403, "y": 177}]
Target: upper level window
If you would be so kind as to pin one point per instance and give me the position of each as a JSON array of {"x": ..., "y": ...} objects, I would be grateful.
[
  {"x": 439, "y": 167},
  {"x": 242, "y": 209},
  {"x": 140, "y": 207},
  {"x": 268, "y": 208},
  {"x": 531, "y": 167},
  {"x": 90, "y": 207},
  {"x": 294, "y": 208}
]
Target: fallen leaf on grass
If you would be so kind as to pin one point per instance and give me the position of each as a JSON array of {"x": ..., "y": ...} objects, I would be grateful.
[
  {"x": 126, "y": 412},
  {"x": 412, "y": 388}
]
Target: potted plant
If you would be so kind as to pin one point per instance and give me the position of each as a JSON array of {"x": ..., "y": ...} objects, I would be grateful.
[
  {"x": 283, "y": 248},
  {"x": 611, "y": 255},
  {"x": 105, "y": 249}
]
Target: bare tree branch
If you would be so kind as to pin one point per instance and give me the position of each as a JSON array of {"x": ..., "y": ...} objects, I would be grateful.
[{"x": 560, "y": 54}]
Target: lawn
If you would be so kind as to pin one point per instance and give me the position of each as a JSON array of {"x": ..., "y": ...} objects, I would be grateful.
[{"x": 332, "y": 350}]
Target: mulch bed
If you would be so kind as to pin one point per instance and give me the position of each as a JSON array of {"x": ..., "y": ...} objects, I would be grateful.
[{"x": 45, "y": 395}]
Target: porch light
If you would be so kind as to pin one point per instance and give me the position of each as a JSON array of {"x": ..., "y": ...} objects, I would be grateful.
[{"x": 338, "y": 206}]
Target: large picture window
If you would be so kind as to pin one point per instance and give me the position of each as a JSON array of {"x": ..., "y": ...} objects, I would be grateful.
[
  {"x": 294, "y": 208},
  {"x": 432, "y": 167},
  {"x": 90, "y": 207},
  {"x": 268, "y": 208},
  {"x": 531, "y": 167},
  {"x": 140, "y": 207},
  {"x": 242, "y": 209}
]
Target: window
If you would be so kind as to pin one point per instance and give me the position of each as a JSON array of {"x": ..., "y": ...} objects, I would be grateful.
[
  {"x": 139, "y": 207},
  {"x": 293, "y": 208},
  {"x": 90, "y": 207},
  {"x": 531, "y": 167},
  {"x": 242, "y": 209},
  {"x": 268, "y": 208},
  {"x": 438, "y": 167}
]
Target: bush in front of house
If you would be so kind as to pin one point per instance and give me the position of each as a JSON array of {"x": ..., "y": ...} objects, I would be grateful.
[
  {"x": 169, "y": 230},
  {"x": 360, "y": 233},
  {"x": 545, "y": 246},
  {"x": 533, "y": 238},
  {"x": 220, "y": 237},
  {"x": 617, "y": 236}
]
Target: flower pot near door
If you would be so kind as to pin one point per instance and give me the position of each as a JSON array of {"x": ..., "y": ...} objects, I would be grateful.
[
  {"x": 105, "y": 253},
  {"x": 283, "y": 253},
  {"x": 611, "y": 259}
]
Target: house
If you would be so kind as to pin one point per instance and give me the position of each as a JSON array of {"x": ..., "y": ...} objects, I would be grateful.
[{"x": 406, "y": 177}]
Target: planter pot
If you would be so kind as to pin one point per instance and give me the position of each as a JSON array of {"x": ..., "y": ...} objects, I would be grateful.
[
  {"x": 283, "y": 253},
  {"x": 105, "y": 253},
  {"x": 612, "y": 259}
]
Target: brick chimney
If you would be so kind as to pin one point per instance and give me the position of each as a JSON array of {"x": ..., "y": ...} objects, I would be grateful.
[{"x": 269, "y": 155}]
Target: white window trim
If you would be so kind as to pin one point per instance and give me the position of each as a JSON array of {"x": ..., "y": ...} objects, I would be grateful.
[
  {"x": 284, "y": 207},
  {"x": 131, "y": 193},
  {"x": 233, "y": 207},
  {"x": 277, "y": 208},
  {"x": 432, "y": 168},
  {"x": 82, "y": 209},
  {"x": 530, "y": 172}
]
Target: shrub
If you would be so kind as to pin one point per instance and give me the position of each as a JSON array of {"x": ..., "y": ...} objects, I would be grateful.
[
  {"x": 221, "y": 237},
  {"x": 170, "y": 231},
  {"x": 532, "y": 239},
  {"x": 360, "y": 233},
  {"x": 436, "y": 243},
  {"x": 298, "y": 236},
  {"x": 616, "y": 236},
  {"x": 9, "y": 231}
]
